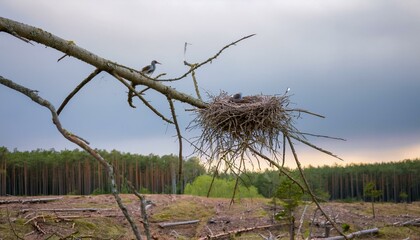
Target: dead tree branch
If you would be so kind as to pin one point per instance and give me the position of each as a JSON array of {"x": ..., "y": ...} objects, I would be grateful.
[
  {"x": 77, "y": 89},
  {"x": 11, "y": 226},
  {"x": 171, "y": 224},
  {"x": 31, "y": 200},
  {"x": 198, "y": 65},
  {"x": 178, "y": 133},
  {"x": 71, "y": 49},
  {"x": 81, "y": 143},
  {"x": 192, "y": 67},
  {"x": 308, "y": 188},
  {"x": 240, "y": 230},
  {"x": 144, "y": 215},
  {"x": 354, "y": 234},
  {"x": 65, "y": 210},
  {"x": 142, "y": 98}
]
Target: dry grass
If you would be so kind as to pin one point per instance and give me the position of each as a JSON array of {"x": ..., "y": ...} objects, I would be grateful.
[{"x": 246, "y": 213}]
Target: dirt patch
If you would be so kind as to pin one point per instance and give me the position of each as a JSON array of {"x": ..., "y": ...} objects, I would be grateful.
[{"x": 98, "y": 217}]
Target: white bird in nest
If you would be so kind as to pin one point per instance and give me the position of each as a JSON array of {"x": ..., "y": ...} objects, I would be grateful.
[{"x": 149, "y": 69}]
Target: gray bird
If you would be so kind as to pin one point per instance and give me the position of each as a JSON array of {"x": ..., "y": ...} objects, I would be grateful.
[{"x": 149, "y": 69}]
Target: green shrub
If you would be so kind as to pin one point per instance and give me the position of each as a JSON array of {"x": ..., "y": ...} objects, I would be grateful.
[{"x": 222, "y": 188}]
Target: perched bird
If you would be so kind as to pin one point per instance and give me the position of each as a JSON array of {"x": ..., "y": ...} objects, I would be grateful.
[
  {"x": 236, "y": 97},
  {"x": 149, "y": 69}
]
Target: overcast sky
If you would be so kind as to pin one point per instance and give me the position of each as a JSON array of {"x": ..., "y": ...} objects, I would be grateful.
[{"x": 356, "y": 62}]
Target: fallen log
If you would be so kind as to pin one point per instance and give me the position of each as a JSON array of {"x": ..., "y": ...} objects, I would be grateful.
[
  {"x": 32, "y": 200},
  {"x": 56, "y": 218},
  {"x": 353, "y": 235},
  {"x": 236, "y": 231},
  {"x": 413, "y": 222},
  {"x": 171, "y": 224},
  {"x": 65, "y": 209}
]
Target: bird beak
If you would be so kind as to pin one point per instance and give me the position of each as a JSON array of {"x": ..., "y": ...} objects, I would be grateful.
[{"x": 158, "y": 62}]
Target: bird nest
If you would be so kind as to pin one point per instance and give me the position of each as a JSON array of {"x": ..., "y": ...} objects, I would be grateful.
[{"x": 231, "y": 126}]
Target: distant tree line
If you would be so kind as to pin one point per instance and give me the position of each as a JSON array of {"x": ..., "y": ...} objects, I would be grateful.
[
  {"x": 50, "y": 172},
  {"x": 394, "y": 181}
]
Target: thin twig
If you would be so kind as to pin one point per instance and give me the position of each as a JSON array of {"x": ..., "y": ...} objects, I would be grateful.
[
  {"x": 178, "y": 133},
  {"x": 196, "y": 85},
  {"x": 299, "y": 232},
  {"x": 308, "y": 188},
  {"x": 80, "y": 86},
  {"x": 144, "y": 215},
  {"x": 208, "y": 60},
  {"x": 214, "y": 177},
  {"x": 281, "y": 169},
  {"x": 192, "y": 67},
  {"x": 304, "y": 111},
  {"x": 10, "y": 224},
  {"x": 322, "y": 136},
  {"x": 315, "y": 147},
  {"x": 284, "y": 151},
  {"x": 141, "y": 98},
  {"x": 61, "y": 58}
]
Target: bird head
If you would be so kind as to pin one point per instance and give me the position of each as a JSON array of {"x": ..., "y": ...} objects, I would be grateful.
[
  {"x": 237, "y": 96},
  {"x": 155, "y": 62}
]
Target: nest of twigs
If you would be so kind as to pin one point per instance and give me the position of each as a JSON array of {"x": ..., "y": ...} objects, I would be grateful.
[{"x": 232, "y": 126}]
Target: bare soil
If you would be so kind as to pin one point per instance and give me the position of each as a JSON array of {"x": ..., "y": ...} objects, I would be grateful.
[{"x": 102, "y": 219}]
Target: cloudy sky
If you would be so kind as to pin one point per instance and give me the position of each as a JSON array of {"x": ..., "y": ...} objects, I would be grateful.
[{"x": 355, "y": 62}]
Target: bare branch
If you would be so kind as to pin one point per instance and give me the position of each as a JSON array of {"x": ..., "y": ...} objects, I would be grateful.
[
  {"x": 71, "y": 49},
  {"x": 71, "y": 137},
  {"x": 322, "y": 136},
  {"x": 178, "y": 133},
  {"x": 77, "y": 89},
  {"x": 304, "y": 111},
  {"x": 315, "y": 147},
  {"x": 280, "y": 168},
  {"x": 142, "y": 199},
  {"x": 10, "y": 224},
  {"x": 308, "y": 188},
  {"x": 206, "y": 61},
  {"x": 141, "y": 98}
]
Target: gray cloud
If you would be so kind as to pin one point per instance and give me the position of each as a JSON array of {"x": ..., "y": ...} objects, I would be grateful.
[{"x": 356, "y": 62}]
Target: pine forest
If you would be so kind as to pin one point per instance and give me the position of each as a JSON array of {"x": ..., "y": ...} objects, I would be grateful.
[{"x": 50, "y": 172}]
